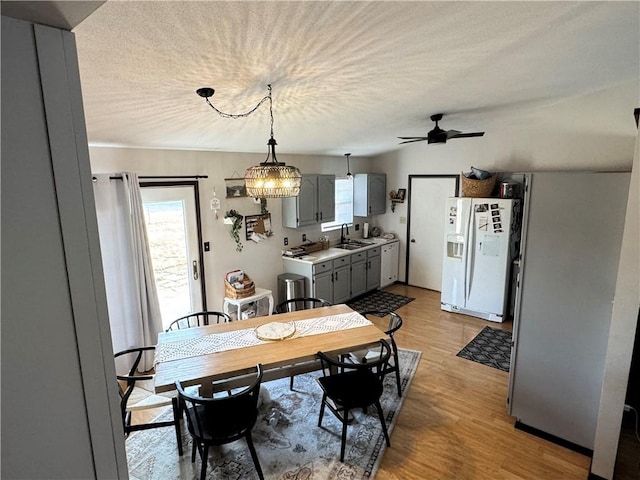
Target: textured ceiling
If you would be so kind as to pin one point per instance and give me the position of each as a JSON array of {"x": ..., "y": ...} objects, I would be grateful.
[{"x": 352, "y": 76}]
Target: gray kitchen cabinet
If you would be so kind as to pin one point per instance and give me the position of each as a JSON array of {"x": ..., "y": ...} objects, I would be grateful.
[
  {"x": 341, "y": 279},
  {"x": 369, "y": 194},
  {"x": 358, "y": 273},
  {"x": 315, "y": 203},
  {"x": 373, "y": 268}
]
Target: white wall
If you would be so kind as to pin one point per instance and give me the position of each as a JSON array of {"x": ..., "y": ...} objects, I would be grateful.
[{"x": 262, "y": 261}]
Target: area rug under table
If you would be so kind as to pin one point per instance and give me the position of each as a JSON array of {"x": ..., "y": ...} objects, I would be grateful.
[
  {"x": 379, "y": 301},
  {"x": 491, "y": 347},
  {"x": 294, "y": 447}
]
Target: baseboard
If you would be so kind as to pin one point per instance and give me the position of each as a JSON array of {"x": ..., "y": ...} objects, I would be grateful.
[{"x": 557, "y": 440}]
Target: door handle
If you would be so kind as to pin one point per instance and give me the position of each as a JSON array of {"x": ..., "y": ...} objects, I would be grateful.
[
  {"x": 195, "y": 270},
  {"x": 413, "y": 240}
]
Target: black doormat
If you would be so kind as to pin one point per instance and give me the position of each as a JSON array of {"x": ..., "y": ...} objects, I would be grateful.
[
  {"x": 491, "y": 347},
  {"x": 379, "y": 300}
]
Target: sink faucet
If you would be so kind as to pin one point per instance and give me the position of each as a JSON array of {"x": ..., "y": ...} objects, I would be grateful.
[{"x": 343, "y": 239}]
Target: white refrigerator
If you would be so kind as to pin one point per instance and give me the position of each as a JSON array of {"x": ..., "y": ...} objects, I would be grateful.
[{"x": 480, "y": 244}]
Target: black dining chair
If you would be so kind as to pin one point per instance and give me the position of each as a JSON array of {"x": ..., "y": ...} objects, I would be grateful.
[
  {"x": 347, "y": 386},
  {"x": 137, "y": 393},
  {"x": 198, "y": 319},
  {"x": 221, "y": 420},
  {"x": 393, "y": 366},
  {"x": 300, "y": 303},
  {"x": 294, "y": 304}
]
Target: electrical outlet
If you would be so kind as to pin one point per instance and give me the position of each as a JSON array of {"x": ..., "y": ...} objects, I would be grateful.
[
  {"x": 207, "y": 246},
  {"x": 286, "y": 241},
  {"x": 304, "y": 237},
  {"x": 357, "y": 226}
]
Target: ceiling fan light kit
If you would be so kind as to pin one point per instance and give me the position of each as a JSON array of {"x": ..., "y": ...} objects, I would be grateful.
[
  {"x": 269, "y": 179},
  {"x": 438, "y": 135}
]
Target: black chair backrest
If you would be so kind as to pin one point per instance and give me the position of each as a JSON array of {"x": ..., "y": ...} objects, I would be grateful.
[
  {"x": 332, "y": 364},
  {"x": 232, "y": 414},
  {"x": 395, "y": 320},
  {"x": 198, "y": 319},
  {"x": 301, "y": 303},
  {"x": 133, "y": 375}
]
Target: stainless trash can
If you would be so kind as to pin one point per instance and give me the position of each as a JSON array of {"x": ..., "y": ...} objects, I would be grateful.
[{"x": 290, "y": 285}]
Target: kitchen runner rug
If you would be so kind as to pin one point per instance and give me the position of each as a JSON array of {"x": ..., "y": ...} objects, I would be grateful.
[
  {"x": 379, "y": 300},
  {"x": 490, "y": 347},
  {"x": 290, "y": 446}
]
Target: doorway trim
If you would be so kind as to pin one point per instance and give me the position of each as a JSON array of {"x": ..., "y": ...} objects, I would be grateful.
[
  {"x": 196, "y": 193},
  {"x": 407, "y": 234}
]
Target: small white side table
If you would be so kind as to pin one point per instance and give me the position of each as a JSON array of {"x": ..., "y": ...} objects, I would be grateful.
[{"x": 238, "y": 303}]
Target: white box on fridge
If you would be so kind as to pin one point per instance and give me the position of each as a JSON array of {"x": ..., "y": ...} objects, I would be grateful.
[{"x": 479, "y": 248}]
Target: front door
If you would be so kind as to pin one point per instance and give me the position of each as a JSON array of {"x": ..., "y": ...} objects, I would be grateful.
[
  {"x": 172, "y": 218},
  {"x": 427, "y": 199}
]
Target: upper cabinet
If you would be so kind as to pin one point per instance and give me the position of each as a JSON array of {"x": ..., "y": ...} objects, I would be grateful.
[
  {"x": 369, "y": 194},
  {"x": 315, "y": 203}
]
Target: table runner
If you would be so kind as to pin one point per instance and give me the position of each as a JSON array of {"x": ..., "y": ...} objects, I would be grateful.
[{"x": 219, "y": 342}]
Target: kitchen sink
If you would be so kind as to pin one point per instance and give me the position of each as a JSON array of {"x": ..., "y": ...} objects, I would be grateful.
[{"x": 353, "y": 245}]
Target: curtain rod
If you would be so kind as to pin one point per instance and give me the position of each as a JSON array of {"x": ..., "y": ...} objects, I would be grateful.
[{"x": 158, "y": 177}]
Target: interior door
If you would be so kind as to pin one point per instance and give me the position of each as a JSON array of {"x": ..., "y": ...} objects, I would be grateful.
[
  {"x": 427, "y": 200},
  {"x": 173, "y": 227}
]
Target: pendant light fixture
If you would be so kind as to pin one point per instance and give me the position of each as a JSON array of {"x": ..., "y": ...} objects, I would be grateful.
[
  {"x": 349, "y": 176},
  {"x": 269, "y": 179}
]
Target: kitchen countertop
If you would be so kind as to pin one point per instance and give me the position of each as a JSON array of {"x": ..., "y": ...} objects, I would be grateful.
[{"x": 333, "y": 252}]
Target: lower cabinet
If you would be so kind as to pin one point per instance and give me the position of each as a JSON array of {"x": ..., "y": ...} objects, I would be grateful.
[
  {"x": 373, "y": 268},
  {"x": 358, "y": 274},
  {"x": 340, "y": 279}
]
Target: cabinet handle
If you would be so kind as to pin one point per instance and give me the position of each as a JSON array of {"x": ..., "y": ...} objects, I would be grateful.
[
  {"x": 320, "y": 216},
  {"x": 336, "y": 276},
  {"x": 316, "y": 216}
]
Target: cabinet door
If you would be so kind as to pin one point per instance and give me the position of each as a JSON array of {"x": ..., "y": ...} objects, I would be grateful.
[
  {"x": 389, "y": 261},
  {"x": 342, "y": 284},
  {"x": 322, "y": 286},
  {"x": 377, "y": 193},
  {"x": 326, "y": 198},
  {"x": 307, "y": 201},
  {"x": 358, "y": 278},
  {"x": 373, "y": 272}
]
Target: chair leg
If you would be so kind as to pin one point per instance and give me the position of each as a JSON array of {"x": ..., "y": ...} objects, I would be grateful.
[
  {"x": 344, "y": 434},
  {"x": 254, "y": 455},
  {"x": 193, "y": 450},
  {"x": 398, "y": 381},
  {"x": 176, "y": 419},
  {"x": 382, "y": 422},
  {"x": 291, "y": 382},
  {"x": 204, "y": 457},
  {"x": 324, "y": 399}
]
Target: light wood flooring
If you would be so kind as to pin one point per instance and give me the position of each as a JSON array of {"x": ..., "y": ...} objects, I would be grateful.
[{"x": 454, "y": 422}]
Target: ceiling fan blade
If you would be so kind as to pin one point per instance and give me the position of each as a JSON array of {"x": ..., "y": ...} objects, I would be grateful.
[
  {"x": 412, "y": 139},
  {"x": 452, "y": 133},
  {"x": 466, "y": 135}
]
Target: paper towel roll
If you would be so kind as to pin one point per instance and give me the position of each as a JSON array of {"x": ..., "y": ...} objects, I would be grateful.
[{"x": 365, "y": 231}]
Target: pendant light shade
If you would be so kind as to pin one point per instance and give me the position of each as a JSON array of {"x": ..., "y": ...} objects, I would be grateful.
[
  {"x": 272, "y": 179},
  {"x": 349, "y": 175}
]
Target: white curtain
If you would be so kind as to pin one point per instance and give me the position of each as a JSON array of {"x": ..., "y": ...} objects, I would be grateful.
[{"x": 132, "y": 299}]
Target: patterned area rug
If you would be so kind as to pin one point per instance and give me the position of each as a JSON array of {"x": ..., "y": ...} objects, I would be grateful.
[
  {"x": 293, "y": 447},
  {"x": 379, "y": 300},
  {"x": 490, "y": 347}
]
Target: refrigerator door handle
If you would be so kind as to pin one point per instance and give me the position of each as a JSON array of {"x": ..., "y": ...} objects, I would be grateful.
[{"x": 470, "y": 254}]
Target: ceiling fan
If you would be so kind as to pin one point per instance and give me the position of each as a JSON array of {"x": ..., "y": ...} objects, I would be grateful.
[{"x": 438, "y": 135}]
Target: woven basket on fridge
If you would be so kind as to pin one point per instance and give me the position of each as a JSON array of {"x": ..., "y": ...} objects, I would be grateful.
[{"x": 472, "y": 187}]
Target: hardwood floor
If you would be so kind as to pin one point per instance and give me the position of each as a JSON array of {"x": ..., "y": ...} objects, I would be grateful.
[{"x": 454, "y": 423}]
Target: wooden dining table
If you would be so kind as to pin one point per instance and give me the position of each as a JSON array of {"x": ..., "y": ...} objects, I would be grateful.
[{"x": 279, "y": 358}]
